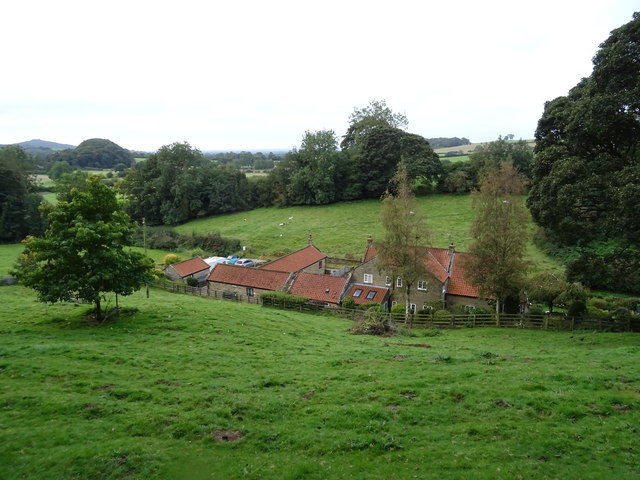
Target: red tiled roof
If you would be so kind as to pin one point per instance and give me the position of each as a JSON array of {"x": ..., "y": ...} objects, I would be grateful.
[
  {"x": 322, "y": 288},
  {"x": 459, "y": 283},
  {"x": 296, "y": 261},
  {"x": 380, "y": 293},
  {"x": 191, "y": 266},
  {"x": 248, "y": 277}
]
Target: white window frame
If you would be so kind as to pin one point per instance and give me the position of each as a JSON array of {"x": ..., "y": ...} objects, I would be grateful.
[
  {"x": 422, "y": 285},
  {"x": 250, "y": 292},
  {"x": 367, "y": 278},
  {"x": 413, "y": 308},
  {"x": 399, "y": 282},
  {"x": 369, "y": 296},
  {"x": 387, "y": 281}
]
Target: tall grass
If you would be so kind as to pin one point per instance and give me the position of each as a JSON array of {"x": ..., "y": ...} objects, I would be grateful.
[{"x": 191, "y": 388}]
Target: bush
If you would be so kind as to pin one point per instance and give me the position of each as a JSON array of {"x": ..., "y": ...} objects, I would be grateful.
[
  {"x": 375, "y": 322},
  {"x": 282, "y": 299},
  {"x": 170, "y": 259},
  {"x": 192, "y": 281},
  {"x": 578, "y": 308},
  {"x": 442, "y": 315},
  {"x": 349, "y": 303},
  {"x": 372, "y": 305}
]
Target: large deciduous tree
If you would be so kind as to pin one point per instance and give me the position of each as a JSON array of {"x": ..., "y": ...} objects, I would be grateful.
[
  {"x": 19, "y": 201},
  {"x": 497, "y": 266},
  {"x": 398, "y": 252},
  {"x": 377, "y": 143},
  {"x": 177, "y": 184},
  {"x": 83, "y": 252},
  {"x": 586, "y": 172}
]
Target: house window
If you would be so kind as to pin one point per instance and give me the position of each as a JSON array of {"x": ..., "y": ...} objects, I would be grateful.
[
  {"x": 320, "y": 264},
  {"x": 371, "y": 295},
  {"x": 250, "y": 292},
  {"x": 422, "y": 285},
  {"x": 398, "y": 282},
  {"x": 387, "y": 281},
  {"x": 368, "y": 278},
  {"x": 357, "y": 293},
  {"x": 412, "y": 308},
  {"x": 393, "y": 302},
  {"x": 427, "y": 307}
]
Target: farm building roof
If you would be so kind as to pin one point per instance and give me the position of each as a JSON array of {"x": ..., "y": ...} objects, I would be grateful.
[
  {"x": 248, "y": 277},
  {"x": 364, "y": 293},
  {"x": 322, "y": 288},
  {"x": 296, "y": 261},
  {"x": 189, "y": 267}
]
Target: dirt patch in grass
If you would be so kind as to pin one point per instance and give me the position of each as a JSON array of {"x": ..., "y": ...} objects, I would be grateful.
[
  {"x": 227, "y": 435},
  {"x": 502, "y": 403}
]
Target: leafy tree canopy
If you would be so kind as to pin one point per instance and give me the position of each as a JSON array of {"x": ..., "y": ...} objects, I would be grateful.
[
  {"x": 19, "y": 215},
  {"x": 83, "y": 253},
  {"x": 586, "y": 172}
]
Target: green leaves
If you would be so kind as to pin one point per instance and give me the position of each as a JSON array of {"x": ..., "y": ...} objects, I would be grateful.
[{"x": 82, "y": 254}]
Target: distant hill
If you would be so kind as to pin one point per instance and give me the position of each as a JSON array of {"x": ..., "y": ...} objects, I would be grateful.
[{"x": 37, "y": 144}]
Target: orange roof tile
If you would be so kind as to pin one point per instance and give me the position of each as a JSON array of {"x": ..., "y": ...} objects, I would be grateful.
[
  {"x": 191, "y": 266},
  {"x": 322, "y": 288},
  {"x": 459, "y": 283},
  {"x": 296, "y": 261},
  {"x": 248, "y": 277},
  {"x": 375, "y": 293}
]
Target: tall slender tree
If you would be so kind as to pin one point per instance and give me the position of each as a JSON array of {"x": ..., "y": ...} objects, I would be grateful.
[
  {"x": 497, "y": 266},
  {"x": 399, "y": 255}
]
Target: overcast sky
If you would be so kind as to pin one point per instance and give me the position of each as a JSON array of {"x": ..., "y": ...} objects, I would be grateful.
[{"x": 256, "y": 74}]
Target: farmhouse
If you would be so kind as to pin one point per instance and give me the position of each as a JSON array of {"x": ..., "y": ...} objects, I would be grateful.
[
  {"x": 446, "y": 280},
  {"x": 242, "y": 282},
  {"x": 194, "y": 267}
]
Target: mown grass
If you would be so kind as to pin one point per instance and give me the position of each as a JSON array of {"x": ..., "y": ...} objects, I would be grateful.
[{"x": 192, "y": 388}]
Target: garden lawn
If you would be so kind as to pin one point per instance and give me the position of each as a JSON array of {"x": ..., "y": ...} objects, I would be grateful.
[{"x": 191, "y": 388}]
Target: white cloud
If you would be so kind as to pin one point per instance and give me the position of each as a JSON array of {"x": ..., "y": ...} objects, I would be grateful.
[{"x": 256, "y": 74}]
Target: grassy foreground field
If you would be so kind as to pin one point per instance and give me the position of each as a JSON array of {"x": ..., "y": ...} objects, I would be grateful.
[{"x": 190, "y": 388}]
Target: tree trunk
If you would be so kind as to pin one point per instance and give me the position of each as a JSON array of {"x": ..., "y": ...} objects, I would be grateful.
[{"x": 98, "y": 310}]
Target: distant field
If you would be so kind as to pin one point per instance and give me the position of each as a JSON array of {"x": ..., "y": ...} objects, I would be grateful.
[
  {"x": 460, "y": 158},
  {"x": 189, "y": 388},
  {"x": 341, "y": 230},
  {"x": 465, "y": 149}
]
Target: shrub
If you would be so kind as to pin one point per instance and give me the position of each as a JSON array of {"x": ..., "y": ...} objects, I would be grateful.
[
  {"x": 578, "y": 307},
  {"x": 170, "y": 259},
  {"x": 442, "y": 315},
  {"x": 349, "y": 303},
  {"x": 192, "y": 281},
  {"x": 375, "y": 322},
  {"x": 372, "y": 305},
  {"x": 282, "y": 299}
]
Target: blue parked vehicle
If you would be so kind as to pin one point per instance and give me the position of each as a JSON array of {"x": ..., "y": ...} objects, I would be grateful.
[{"x": 232, "y": 259}]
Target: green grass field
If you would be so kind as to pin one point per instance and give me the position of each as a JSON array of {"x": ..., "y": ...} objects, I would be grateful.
[
  {"x": 181, "y": 387},
  {"x": 341, "y": 230}
]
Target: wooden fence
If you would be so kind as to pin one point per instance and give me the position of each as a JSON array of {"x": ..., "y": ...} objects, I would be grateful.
[{"x": 435, "y": 321}]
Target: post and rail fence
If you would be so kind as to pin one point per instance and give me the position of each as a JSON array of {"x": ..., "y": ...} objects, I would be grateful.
[{"x": 428, "y": 321}]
